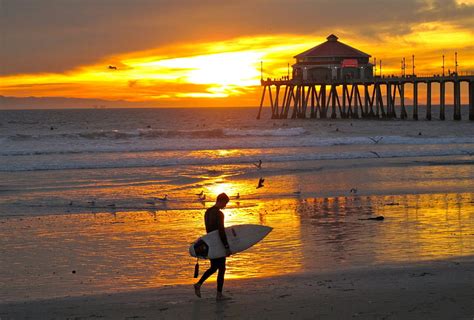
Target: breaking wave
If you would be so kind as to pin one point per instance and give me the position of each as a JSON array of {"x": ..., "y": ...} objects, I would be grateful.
[{"x": 159, "y": 133}]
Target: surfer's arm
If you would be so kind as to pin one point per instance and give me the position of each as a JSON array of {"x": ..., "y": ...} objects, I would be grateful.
[{"x": 221, "y": 228}]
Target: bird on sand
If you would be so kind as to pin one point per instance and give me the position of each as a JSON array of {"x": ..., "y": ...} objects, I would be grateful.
[
  {"x": 258, "y": 164},
  {"x": 260, "y": 183},
  {"x": 202, "y": 197},
  {"x": 353, "y": 191},
  {"x": 165, "y": 198},
  {"x": 237, "y": 196}
]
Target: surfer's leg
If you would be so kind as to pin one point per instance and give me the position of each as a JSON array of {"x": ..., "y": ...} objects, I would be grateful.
[
  {"x": 209, "y": 272},
  {"x": 220, "y": 274}
]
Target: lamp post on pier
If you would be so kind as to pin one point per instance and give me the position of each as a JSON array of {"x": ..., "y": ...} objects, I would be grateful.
[
  {"x": 443, "y": 65},
  {"x": 456, "y": 63}
]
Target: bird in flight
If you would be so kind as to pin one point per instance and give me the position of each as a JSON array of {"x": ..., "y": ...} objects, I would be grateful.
[
  {"x": 258, "y": 164},
  {"x": 378, "y": 156}
]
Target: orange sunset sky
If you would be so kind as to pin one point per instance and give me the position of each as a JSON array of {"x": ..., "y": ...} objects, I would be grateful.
[{"x": 208, "y": 53}]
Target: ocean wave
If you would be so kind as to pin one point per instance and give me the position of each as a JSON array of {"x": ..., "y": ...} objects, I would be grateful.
[
  {"x": 279, "y": 132},
  {"x": 280, "y": 139},
  {"x": 160, "y": 133},
  {"x": 139, "y": 160}
]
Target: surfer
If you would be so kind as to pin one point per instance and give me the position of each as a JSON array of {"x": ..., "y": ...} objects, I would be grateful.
[{"x": 214, "y": 220}]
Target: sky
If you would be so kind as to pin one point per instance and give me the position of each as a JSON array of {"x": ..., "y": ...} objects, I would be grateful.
[{"x": 208, "y": 52}]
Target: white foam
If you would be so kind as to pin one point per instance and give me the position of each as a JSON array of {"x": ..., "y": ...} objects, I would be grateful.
[
  {"x": 279, "y": 132},
  {"x": 73, "y": 146}
]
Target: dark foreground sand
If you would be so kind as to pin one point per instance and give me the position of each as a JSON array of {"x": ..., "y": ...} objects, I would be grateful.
[{"x": 435, "y": 290}]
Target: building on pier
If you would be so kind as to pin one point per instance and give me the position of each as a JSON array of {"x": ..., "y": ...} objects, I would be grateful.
[
  {"x": 337, "y": 81},
  {"x": 332, "y": 60}
]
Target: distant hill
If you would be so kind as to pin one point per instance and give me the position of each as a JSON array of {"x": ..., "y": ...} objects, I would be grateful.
[{"x": 66, "y": 103}]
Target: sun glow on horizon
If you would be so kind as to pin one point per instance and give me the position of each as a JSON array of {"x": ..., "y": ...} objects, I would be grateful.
[{"x": 229, "y": 69}]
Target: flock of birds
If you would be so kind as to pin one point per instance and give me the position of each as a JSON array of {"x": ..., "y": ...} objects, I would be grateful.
[{"x": 202, "y": 197}]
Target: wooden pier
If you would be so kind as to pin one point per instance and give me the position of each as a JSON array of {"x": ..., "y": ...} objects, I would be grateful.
[{"x": 377, "y": 98}]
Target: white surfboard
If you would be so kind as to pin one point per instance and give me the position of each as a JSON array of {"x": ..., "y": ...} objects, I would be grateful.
[{"x": 239, "y": 237}]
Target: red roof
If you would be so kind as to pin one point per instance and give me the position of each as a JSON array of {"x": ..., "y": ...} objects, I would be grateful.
[{"x": 333, "y": 48}]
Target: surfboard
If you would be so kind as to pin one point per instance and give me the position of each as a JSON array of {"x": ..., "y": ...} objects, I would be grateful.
[{"x": 240, "y": 238}]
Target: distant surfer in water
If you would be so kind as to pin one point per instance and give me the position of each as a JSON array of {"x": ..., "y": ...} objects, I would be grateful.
[{"x": 214, "y": 220}]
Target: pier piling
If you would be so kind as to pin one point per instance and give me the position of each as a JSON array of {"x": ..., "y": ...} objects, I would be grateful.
[
  {"x": 457, "y": 100},
  {"x": 428, "y": 100},
  {"x": 415, "y": 100},
  {"x": 442, "y": 100},
  {"x": 313, "y": 99},
  {"x": 471, "y": 100}
]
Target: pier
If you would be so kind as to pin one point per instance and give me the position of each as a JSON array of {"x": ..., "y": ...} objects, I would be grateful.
[
  {"x": 379, "y": 98},
  {"x": 334, "y": 80}
]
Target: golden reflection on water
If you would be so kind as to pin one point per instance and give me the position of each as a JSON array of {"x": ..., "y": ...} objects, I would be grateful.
[
  {"x": 116, "y": 251},
  {"x": 416, "y": 228}
]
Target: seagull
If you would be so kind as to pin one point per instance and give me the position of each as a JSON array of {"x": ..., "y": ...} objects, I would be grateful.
[
  {"x": 260, "y": 183},
  {"x": 375, "y": 140},
  {"x": 202, "y": 197},
  {"x": 258, "y": 164},
  {"x": 237, "y": 196},
  {"x": 165, "y": 198},
  {"x": 353, "y": 191},
  {"x": 378, "y": 156},
  {"x": 200, "y": 194},
  {"x": 70, "y": 203},
  {"x": 112, "y": 68}
]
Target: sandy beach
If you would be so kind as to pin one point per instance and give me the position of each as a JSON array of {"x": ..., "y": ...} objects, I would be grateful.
[
  {"x": 84, "y": 234},
  {"x": 434, "y": 290},
  {"x": 314, "y": 158}
]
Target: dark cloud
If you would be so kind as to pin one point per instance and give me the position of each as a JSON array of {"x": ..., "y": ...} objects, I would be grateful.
[{"x": 57, "y": 35}]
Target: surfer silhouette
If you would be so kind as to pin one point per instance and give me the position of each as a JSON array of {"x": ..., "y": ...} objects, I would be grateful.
[{"x": 214, "y": 220}]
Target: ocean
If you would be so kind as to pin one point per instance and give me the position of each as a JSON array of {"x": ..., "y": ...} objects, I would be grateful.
[{"x": 80, "y": 190}]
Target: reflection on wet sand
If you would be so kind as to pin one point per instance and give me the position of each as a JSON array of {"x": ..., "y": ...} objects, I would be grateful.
[
  {"x": 109, "y": 249},
  {"x": 416, "y": 228},
  {"x": 106, "y": 252}
]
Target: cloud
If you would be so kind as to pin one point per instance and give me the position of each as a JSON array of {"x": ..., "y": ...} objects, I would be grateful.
[{"x": 59, "y": 35}]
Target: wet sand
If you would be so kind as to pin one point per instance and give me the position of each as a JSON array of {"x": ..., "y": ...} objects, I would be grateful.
[
  {"x": 54, "y": 256},
  {"x": 431, "y": 290}
]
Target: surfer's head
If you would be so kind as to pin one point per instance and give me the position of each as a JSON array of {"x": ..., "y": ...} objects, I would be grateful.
[{"x": 222, "y": 200}]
